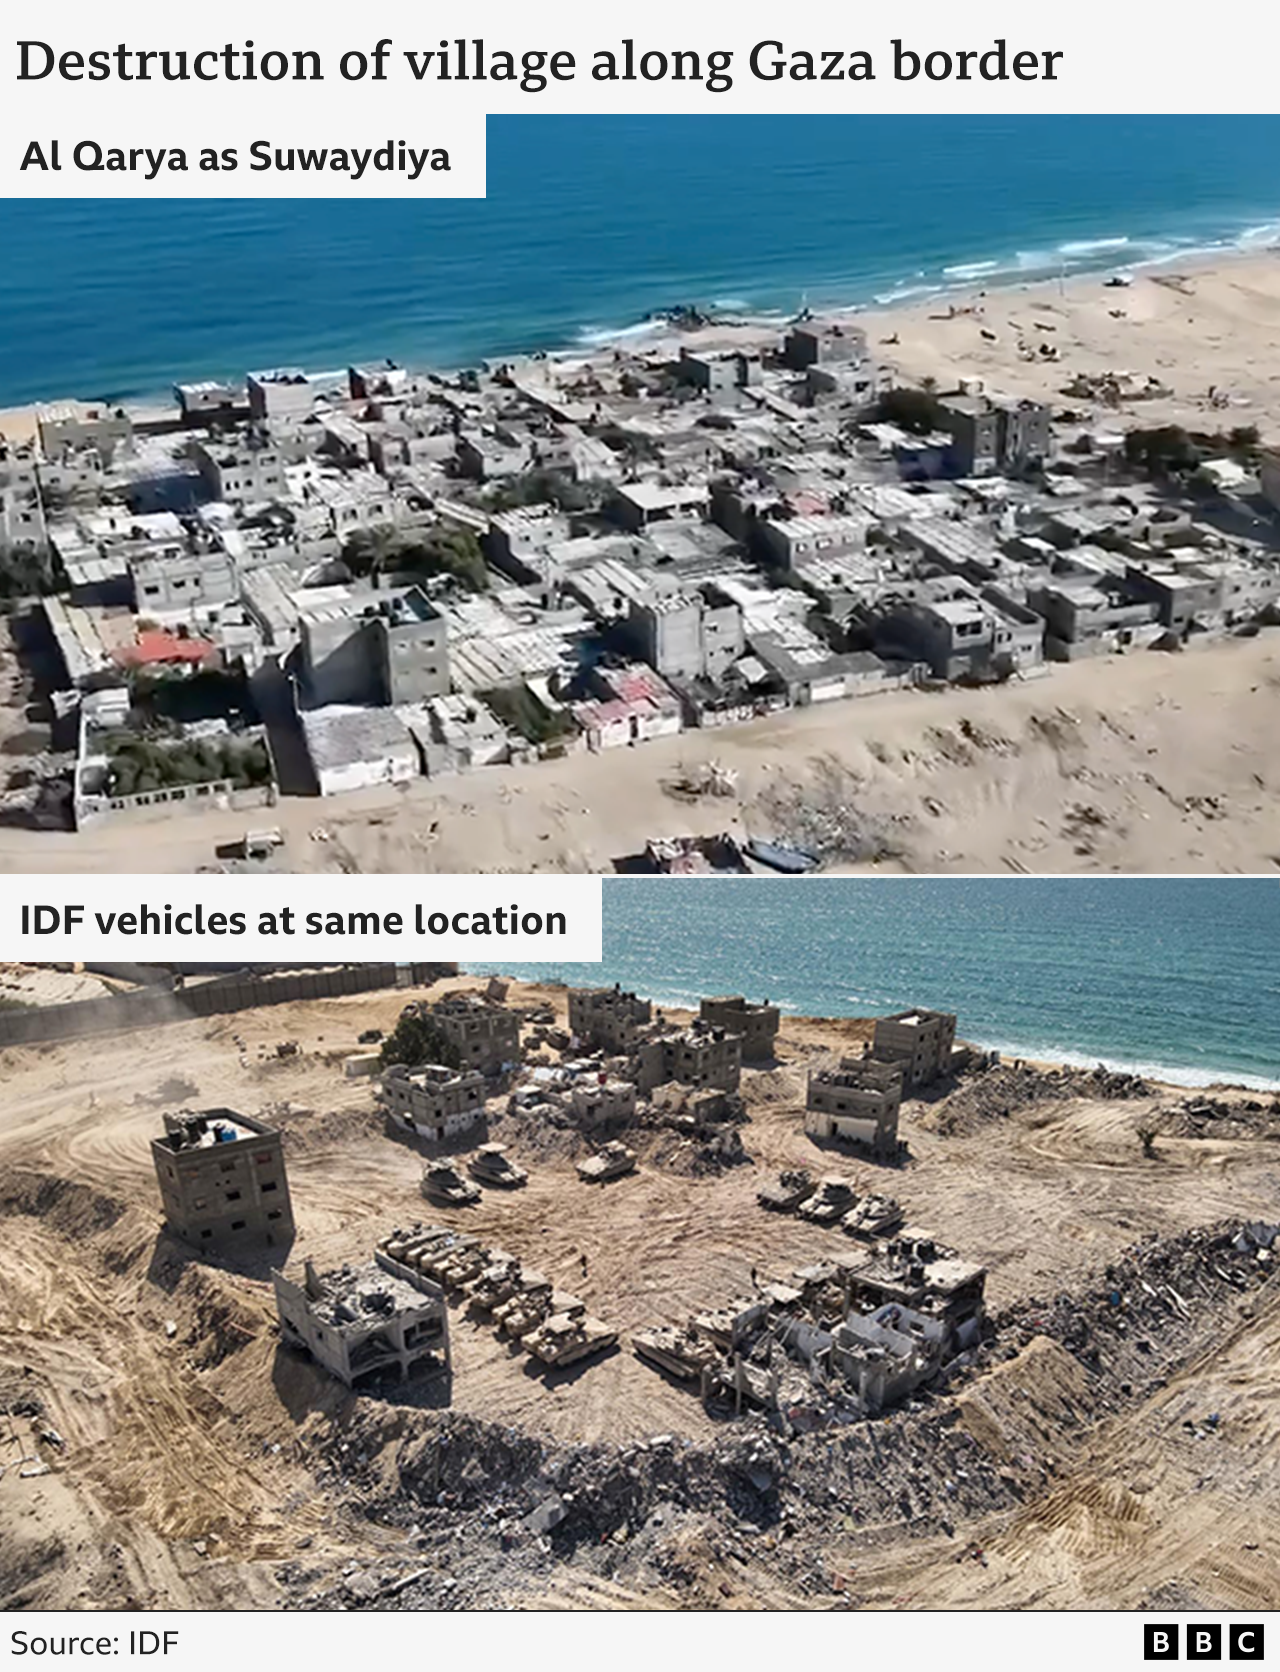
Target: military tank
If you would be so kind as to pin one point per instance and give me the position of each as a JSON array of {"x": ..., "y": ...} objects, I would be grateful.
[
  {"x": 785, "y": 1193},
  {"x": 567, "y": 1337},
  {"x": 833, "y": 1198},
  {"x": 680, "y": 1352},
  {"x": 874, "y": 1216},
  {"x": 610, "y": 1162},
  {"x": 446, "y": 1186},
  {"x": 490, "y": 1164}
]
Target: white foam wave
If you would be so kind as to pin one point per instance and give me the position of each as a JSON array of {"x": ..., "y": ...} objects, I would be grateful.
[
  {"x": 905, "y": 291},
  {"x": 971, "y": 269},
  {"x": 1091, "y": 246},
  {"x": 599, "y": 336},
  {"x": 1172, "y": 1074}
]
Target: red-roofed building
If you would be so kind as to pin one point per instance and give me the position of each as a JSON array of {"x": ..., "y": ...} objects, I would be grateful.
[
  {"x": 155, "y": 647},
  {"x": 634, "y": 705}
]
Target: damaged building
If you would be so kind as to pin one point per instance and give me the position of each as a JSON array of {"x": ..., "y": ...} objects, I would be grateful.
[
  {"x": 847, "y": 1337},
  {"x": 363, "y": 1321},
  {"x": 222, "y": 1181},
  {"x": 858, "y": 1101},
  {"x": 922, "y": 1041},
  {"x": 433, "y": 1102},
  {"x": 699, "y": 1055},
  {"x": 606, "y": 1018},
  {"x": 485, "y": 1036},
  {"x": 756, "y": 1024},
  {"x": 603, "y": 1100}
]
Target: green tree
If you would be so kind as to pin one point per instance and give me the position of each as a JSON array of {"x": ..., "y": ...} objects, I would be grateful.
[
  {"x": 913, "y": 410},
  {"x": 418, "y": 1039},
  {"x": 1165, "y": 451}
]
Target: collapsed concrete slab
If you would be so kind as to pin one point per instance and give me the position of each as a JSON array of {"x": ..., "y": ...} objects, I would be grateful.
[{"x": 362, "y": 1321}]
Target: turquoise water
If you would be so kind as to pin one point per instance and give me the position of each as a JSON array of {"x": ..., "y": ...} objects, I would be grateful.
[
  {"x": 591, "y": 222},
  {"x": 1179, "y": 977}
]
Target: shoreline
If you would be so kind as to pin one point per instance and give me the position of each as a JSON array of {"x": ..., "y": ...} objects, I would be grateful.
[
  {"x": 959, "y": 284},
  {"x": 1167, "y": 1076}
]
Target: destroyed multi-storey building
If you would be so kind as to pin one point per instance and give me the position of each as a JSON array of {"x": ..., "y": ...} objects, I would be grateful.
[
  {"x": 757, "y": 1024},
  {"x": 606, "y": 1018},
  {"x": 602, "y": 1100},
  {"x": 857, "y": 1101},
  {"x": 485, "y": 1036},
  {"x": 915, "y": 1271},
  {"x": 700, "y": 1055},
  {"x": 922, "y": 1041},
  {"x": 365, "y": 1321},
  {"x": 857, "y": 1333},
  {"x": 886, "y": 1356},
  {"x": 432, "y": 1101},
  {"x": 223, "y": 1182}
]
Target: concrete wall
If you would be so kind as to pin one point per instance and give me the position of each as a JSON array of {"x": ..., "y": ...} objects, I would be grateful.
[{"x": 153, "y": 1008}]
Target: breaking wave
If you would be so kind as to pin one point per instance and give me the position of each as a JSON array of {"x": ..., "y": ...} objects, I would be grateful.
[{"x": 1116, "y": 252}]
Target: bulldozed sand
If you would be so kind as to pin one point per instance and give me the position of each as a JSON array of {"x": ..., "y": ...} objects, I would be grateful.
[{"x": 195, "y": 1463}]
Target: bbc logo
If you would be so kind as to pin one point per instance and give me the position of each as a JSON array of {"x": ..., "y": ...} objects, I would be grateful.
[{"x": 1244, "y": 1642}]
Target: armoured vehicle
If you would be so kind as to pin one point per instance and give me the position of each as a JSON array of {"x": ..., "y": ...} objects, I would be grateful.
[
  {"x": 445, "y": 1184},
  {"x": 785, "y": 1193},
  {"x": 611, "y": 1162},
  {"x": 490, "y": 1165}
]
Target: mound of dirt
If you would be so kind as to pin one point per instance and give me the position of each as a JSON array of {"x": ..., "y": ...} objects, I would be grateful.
[{"x": 71, "y": 1209}]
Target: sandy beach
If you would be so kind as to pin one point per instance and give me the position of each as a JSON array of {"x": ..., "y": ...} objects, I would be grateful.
[{"x": 1193, "y": 324}]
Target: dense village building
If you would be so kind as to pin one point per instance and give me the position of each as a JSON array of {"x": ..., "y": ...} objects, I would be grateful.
[{"x": 584, "y": 555}]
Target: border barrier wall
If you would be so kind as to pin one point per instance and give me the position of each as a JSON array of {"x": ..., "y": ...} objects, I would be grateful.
[{"x": 155, "y": 1006}]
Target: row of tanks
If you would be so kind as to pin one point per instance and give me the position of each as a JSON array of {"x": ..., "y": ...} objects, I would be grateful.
[
  {"x": 551, "y": 1325},
  {"x": 444, "y": 1185},
  {"x": 830, "y": 1201}
]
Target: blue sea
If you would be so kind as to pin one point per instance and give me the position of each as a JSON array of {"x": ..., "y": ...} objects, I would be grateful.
[
  {"x": 1174, "y": 977},
  {"x": 592, "y": 222}
]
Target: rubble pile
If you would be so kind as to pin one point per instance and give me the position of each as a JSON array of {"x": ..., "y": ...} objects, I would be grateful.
[
  {"x": 1211, "y": 1117},
  {"x": 696, "y": 1135},
  {"x": 1152, "y": 1304},
  {"x": 490, "y": 1511},
  {"x": 998, "y": 1091},
  {"x": 822, "y": 815}
]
